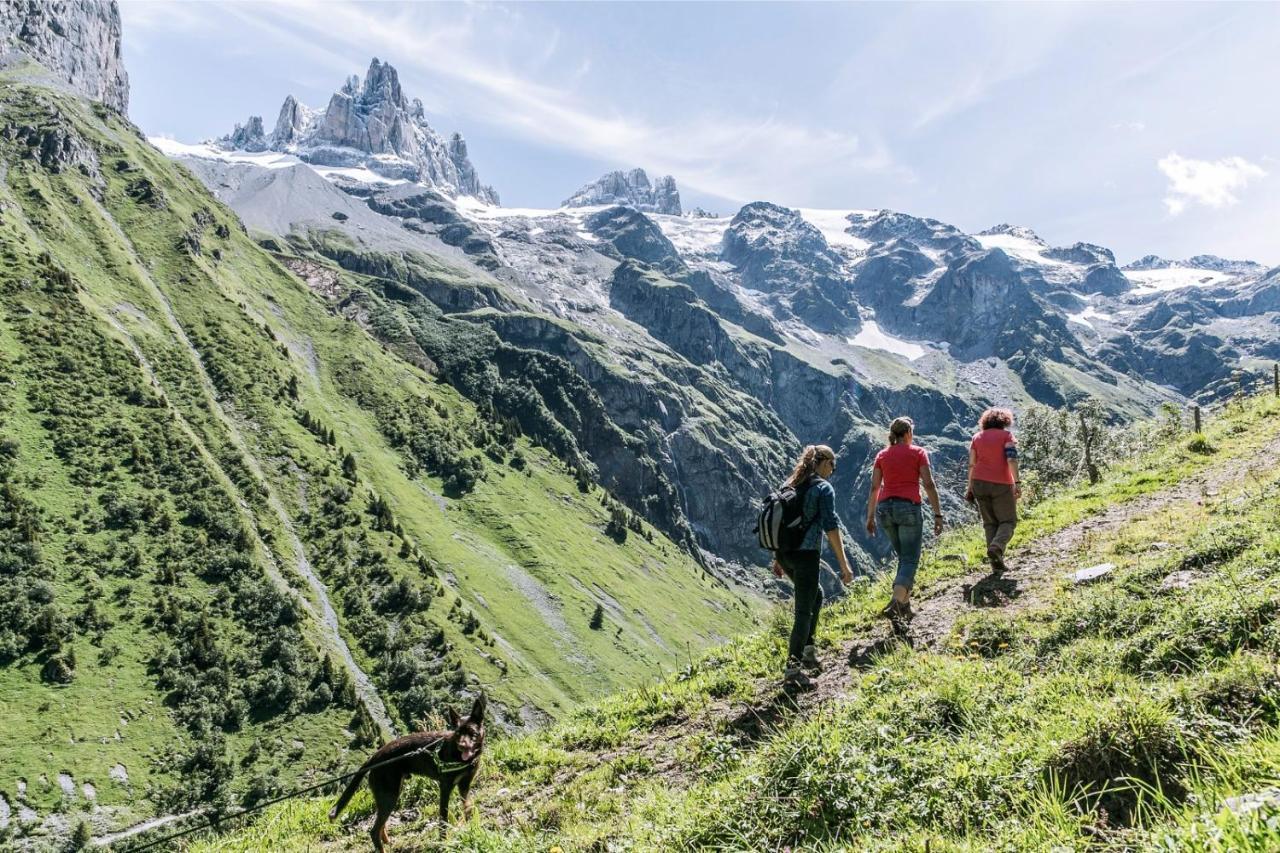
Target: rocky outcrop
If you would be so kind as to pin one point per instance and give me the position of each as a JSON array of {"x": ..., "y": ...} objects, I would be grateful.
[
  {"x": 1020, "y": 231},
  {"x": 885, "y": 225},
  {"x": 1199, "y": 262},
  {"x": 369, "y": 124},
  {"x": 54, "y": 144},
  {"x": 78, "y": 40},
  {"x": 631, "y": 234},
  {"x": 983, "y": 306},
  {"x": 249, "y": 136},
  {"x": 631, "y": 189},
  {"x": 1081, "y": 253},
  {"x": 776, "y": 251},
  {"x": 428, "y": 212}
]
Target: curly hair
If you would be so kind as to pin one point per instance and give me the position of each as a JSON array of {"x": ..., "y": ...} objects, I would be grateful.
[{"x": 996, "y": 419}]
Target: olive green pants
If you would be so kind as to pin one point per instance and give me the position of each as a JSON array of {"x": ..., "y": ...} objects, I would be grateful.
[{"x": 999, "y": 510}]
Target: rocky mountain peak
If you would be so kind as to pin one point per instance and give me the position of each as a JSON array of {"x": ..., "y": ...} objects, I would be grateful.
[
  {"x": 632, "y": 189},
  {"x": 78, "y": 40},
  {"x": 249, "y": 136},
  {"x": 1019, "y": 231},
  {"x": 1149, "y": 262},
  {"x": 382, "y": 86},
  {"x": 371, "y": 124},
  {"x": 1198, "y": 262},
  {"x": 884, "y": 225},
  {"x": 1213, "y": 262}
]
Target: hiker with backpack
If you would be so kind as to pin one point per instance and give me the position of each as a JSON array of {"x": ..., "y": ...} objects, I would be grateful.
[
  {"x": 993, "y": 481},
  {"x": 894, "y": 506},
  {"x": 792, "y": 524}
]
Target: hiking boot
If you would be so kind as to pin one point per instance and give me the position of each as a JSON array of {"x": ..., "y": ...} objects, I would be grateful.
[
  {"x": 897, "y": 610},
  {"x": 809, "y": 660},
  {"x": 794, "y": 677},
  {"x": 996, "y": 556}
]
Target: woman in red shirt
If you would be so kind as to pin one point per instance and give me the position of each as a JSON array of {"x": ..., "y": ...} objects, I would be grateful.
[
  {"x": 899, "y": 471},
  {"x": 993, "y": 481}
]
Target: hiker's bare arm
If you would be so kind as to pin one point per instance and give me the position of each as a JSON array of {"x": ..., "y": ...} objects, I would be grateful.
[
  {"x": 926, "y": 479},
  {"x": 973, "y": 460},
  {"x": 837, "y": 545},
  {"x": 872, "y": 499},
  {"x": 1017, "y": 481}
]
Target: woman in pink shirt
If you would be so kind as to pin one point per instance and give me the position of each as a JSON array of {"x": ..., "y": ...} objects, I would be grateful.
[
  {"x": 899, "y": 471},
  {"x": 993, "y": 481}
]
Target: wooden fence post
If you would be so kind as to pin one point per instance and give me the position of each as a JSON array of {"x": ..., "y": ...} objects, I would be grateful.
[{"x": 1195, "y": 413}]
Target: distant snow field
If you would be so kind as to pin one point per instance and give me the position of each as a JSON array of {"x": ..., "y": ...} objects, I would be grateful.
[
  {"x": 833, "y": 225},
  {"x": 265, "y": 159},
  {"x": 1173, "y": 278},
  {"x": 693, "y": 235},
  {"x": 1021, "y": 248},
  {"x": 1090, "y": 313},
  {"x": 871, "y": 337}
]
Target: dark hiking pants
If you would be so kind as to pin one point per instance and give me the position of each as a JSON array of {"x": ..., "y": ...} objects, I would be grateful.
[
  {"x": 999, "y": 511},
  {"x": 802, "y": 568}
]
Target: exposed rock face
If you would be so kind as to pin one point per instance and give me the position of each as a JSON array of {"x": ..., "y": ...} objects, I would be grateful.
[
  {"x": 776, "y": 251},
  {"x": 55, "y": 146},
  {"x": 79, "y": 40},
  {"x": 1198, "y": 262},
  {"x": 632, "y": 189},
  {"x": 1081, "y": 253},
  {"x": 984, "y": 306},
  {"x": 1019, "y": 231},
  {"x": 632, "y": 235},
  {"x": 249, "y": 136},
  {"x": 369, "y": 124},
  {"x": 885, "y": 225}
]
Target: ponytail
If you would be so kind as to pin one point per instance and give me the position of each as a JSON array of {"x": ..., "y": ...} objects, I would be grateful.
[
  {"x": 807, "y": 465},
  {"x": 898, "y": 430}
]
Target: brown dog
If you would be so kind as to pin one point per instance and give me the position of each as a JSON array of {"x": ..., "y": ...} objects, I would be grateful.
[{"x": 451, "y": 758}]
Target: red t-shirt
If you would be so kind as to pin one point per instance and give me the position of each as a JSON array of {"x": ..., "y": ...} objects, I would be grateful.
[
  {"x": 900, "y": 466},
  {"x": 991, "y": 455}
]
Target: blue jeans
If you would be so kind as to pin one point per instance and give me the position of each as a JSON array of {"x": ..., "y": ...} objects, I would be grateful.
[{"x": 903, "y": 522}]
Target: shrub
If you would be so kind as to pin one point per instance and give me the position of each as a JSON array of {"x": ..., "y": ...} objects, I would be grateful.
[{"x": 1134, "y": 748}]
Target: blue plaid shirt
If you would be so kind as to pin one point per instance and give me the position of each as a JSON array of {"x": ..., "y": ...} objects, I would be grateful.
[{"x": 819, "y": 507}]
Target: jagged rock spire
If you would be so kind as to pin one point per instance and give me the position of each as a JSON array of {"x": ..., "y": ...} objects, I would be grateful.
[{"x": 369, "y": 123}]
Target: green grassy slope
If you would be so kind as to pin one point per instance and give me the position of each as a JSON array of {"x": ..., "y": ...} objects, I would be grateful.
[
  {"x": 1124, "y": 714},
  {"x": 198, "y": 458}
]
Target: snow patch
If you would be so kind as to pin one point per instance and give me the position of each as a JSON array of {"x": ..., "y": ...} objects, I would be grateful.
[
  {"x": 266, "y": 159},
  {"x": 693, "y": 235},
  {"x": 1090, "y": 313},
  {"x": 833, "y": 225},
  {"x": 355, "y": 173},
  {"x": 1020, "y": 247},
  {"x": 870, "y": 336},
  {"x": 1146, "y": 282},
  {"x": 205, "y": 151}
]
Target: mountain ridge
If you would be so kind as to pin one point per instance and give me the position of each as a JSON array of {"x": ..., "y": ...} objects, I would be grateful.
[{"x": 369, "y": 124}]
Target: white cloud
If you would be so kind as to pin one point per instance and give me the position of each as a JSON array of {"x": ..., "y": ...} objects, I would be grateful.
[
  {"x": 1213, "y": 183},
  {"x": 495, "y": 65}
]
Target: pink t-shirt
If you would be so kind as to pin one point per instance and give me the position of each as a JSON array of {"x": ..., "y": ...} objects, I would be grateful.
[
  {"x": 900, "y": 466},
  {"x": 991, "y": 449}
]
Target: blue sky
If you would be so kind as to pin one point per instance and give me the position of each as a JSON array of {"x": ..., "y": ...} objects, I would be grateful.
[{"x": 1149, "y": 128}]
